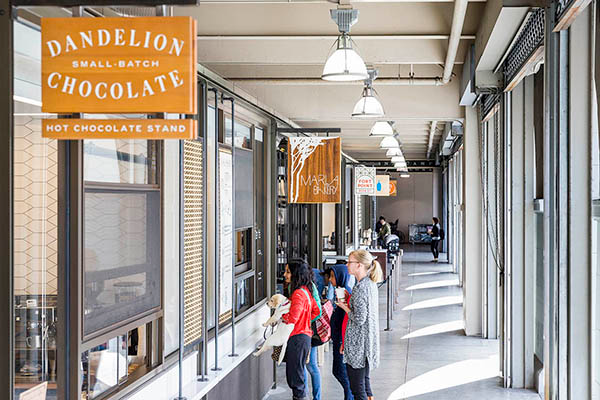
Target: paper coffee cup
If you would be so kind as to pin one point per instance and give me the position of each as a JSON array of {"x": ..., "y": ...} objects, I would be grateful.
[{"x": 340, "y": 293}]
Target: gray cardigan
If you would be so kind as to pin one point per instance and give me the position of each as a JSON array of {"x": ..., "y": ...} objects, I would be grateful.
[{"x": 362, "y": 333}]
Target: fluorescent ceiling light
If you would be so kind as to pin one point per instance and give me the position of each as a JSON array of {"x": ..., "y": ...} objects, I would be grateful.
[
  {"x": 404, "y": 176},
  {"x": 397, "y": 159},
  {"x": 393, "y": 152},
  {"x": 382, "y": 128},
  {"x": 389, "y": 142}
]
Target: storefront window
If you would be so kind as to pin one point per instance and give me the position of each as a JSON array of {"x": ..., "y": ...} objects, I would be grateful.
[
  {"x": 35, "y": 225},
  {"x": 122, "y": 275},
  {"x": 35, "y": 255}
]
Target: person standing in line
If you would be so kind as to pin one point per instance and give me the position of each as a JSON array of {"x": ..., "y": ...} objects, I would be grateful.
[
  {"x": 361, "y": 341},
  {"x": 340, "y": 278},
  {"x": 305, "y": 307},
  {"x": 436, "y": 231},
  {"x": 312, "y": 367}
]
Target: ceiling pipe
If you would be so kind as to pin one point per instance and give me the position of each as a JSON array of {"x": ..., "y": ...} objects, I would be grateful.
[
  {"x": 433, "y": 81},
  {"x": 458, "y": 21}
]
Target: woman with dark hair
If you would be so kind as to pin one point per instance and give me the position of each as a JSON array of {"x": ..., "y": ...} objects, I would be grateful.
[
  {"x": 304, "y": 309},
  {"x": 436, "y": 236}
]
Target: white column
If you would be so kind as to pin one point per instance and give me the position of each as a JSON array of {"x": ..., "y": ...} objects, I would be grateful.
[
  {"x": 580, "y": 272},
  {"x": 472, "y": 260}
]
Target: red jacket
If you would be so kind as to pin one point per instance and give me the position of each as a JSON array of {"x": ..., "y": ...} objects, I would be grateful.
[{"x": 302, "y": 311}]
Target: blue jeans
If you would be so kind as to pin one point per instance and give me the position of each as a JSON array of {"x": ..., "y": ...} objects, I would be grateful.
[
  {"x": 315, "y": 374},
  {"x": 339, "y": 370}
]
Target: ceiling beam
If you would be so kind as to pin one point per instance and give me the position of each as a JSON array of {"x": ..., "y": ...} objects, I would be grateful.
[
  {"x": 431, "y": 134},
  {"x": 331, "y": 37}
]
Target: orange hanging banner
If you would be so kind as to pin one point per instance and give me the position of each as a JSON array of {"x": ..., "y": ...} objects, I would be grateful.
[
  {"x": 119, "y": 65},
  {"x": 151, "y": 129}
]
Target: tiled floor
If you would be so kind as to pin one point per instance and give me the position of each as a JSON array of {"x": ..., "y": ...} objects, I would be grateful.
[{"x": 426, "y": 355}]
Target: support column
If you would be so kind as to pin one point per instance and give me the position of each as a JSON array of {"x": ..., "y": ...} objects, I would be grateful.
[
  {"x": 472, "y": 214},
  {"x": 579, "y": 219},
  {"x": 6, "y": 129}
]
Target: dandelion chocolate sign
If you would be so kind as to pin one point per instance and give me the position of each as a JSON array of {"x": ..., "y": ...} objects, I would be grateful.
[
  {"x": 119, "y": 65},
  {"x": 314, "y": 170}
]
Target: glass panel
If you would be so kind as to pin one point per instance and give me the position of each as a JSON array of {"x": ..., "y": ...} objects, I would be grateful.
[
  {"x": 122, "y": 276},
  {"x": 35, "y": 210},
  {"x": 228, "y": 132},
  {"x": 243, "y": 250},
  {"x": 211, "y": 188},
  {"x": 225, "y": 233},
  {"x": 260, "y": 213},
  {"x": 171, "y": 238},
  {"x": 120, "y": 161},
  {"x": 35, "y": 255},
  {"x": 244, "y": 295},
  {"x": 243, "y": 136},
  {"x": 244, "y": 179},
  {"x": 102, "y": 367}
]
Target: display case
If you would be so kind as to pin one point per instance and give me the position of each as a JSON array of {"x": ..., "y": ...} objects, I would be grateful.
[{"x": 35, "y": 340}]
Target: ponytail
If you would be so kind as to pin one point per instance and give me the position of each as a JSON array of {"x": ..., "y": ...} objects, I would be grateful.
[
  {"x": 375, "y": 272},
  {"x": 373, "y": 267}
]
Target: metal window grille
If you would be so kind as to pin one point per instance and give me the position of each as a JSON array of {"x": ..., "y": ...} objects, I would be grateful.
[
  {"x": 193, "y": 237},
  {"x": 528, "y": 41}
]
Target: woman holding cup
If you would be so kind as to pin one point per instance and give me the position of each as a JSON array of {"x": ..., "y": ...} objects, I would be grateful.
[
  {"x": 343, "y": 283},
  {"x": 361, "y": 341}
]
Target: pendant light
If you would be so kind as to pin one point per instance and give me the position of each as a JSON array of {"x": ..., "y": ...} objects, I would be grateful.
[
  {"x": 389, "y": 142},
  {"x": 344, "y": 64},
  {"x": 368, "y": 106},
  {"x": 382, "y": 128},
  {"x": 393, "y": 152}
]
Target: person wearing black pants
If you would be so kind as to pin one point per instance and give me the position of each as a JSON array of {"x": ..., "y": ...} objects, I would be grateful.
[
  {"x": 298, "y": 348},
  {"x": 360, "y": 381},
  {"x": 305, "y": 307},
  {"x": 361, "y": 340},
  {"x": 435, "y": 238}
]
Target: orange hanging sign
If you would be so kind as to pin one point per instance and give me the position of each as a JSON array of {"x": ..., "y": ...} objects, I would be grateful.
[
  {"x": 151, "y": 129},
  {"x": 119, "y": 65}
]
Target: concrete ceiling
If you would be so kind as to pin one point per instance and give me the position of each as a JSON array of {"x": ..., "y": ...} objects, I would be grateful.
[{"x": 263, "y": 46}]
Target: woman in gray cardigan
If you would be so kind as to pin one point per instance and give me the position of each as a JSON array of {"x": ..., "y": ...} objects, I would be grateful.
[{"x": 361, "y": 342}]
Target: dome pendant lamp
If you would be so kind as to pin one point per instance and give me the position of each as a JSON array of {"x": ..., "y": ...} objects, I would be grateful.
[
  {"x": 389, "y": 142},
  {"x": 344, "y": 64},
  {"x": 368, "y": 106},
  {"x": 393, "y": 152},
  {"x": 382, "y": 128}
]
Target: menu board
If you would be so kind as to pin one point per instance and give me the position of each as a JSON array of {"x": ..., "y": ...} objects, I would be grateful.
[{"x": 225, "y": 231}]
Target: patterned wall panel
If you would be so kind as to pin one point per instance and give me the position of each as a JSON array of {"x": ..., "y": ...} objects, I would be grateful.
[
  {"x": 193, "y": 238},
  {"x": 35, "y": 209}
]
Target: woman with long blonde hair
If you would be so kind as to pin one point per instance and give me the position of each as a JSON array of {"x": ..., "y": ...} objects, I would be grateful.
[{"x": 361, "y": 341}]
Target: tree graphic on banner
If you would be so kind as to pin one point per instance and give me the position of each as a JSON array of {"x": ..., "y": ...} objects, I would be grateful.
[{"x": 300, "y": 149}]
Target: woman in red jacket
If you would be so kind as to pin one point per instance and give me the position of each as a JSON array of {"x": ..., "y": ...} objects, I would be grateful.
[{"x": 303, "y": 310}]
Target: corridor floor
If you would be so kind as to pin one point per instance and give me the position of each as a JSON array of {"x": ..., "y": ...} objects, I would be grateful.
[{"x": 426, "y": 355}]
